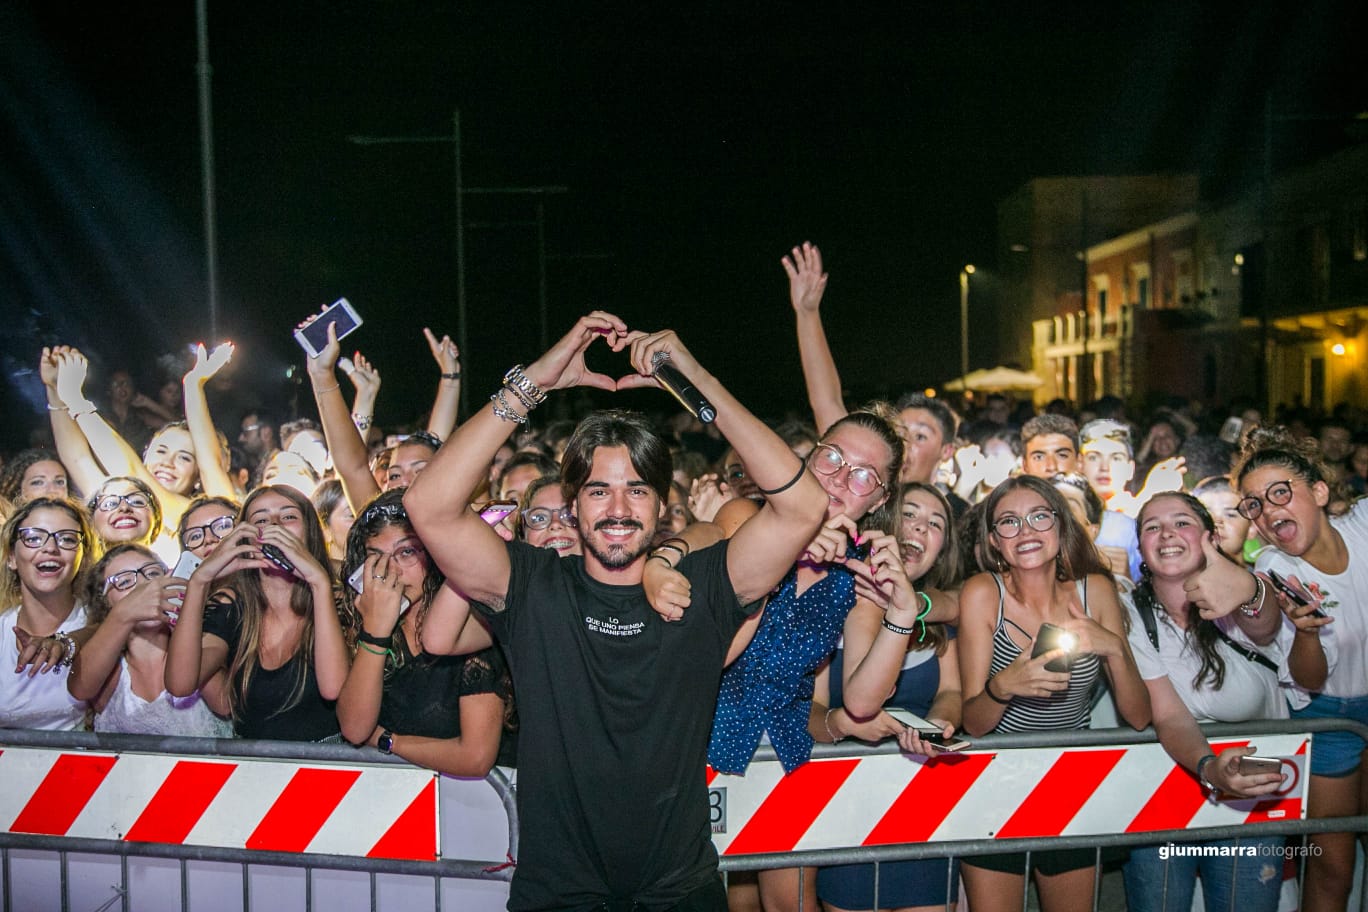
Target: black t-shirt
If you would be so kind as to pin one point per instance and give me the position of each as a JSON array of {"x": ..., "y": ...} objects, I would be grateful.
[
  {"x": 423, "y": 695},
  {"x": 310, "y": 719},
  {"x": 615, "y": 708}
]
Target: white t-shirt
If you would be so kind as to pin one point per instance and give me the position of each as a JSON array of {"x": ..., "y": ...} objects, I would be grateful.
[
  {"x": 42, "y": 701},
  {"x": 1345, "y": 600},
  {"x": 1249, "y": 691}
]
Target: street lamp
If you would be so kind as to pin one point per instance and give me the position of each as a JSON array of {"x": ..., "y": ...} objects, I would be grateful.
[{"x": 964, "y": 275}]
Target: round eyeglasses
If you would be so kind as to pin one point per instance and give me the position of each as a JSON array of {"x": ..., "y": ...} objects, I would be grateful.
[
  {"x": 861, "y": 480},
  {"x": 1279, "y": 494},
  {"x": 127, "y": 579},
  {"x": 538, "y": 518},
  {"x": 1009, "y": 526},
  {"x": 108, "y": 503},
  {"x": 194, "y": 536},
  {"x": 33, "y": 539}
]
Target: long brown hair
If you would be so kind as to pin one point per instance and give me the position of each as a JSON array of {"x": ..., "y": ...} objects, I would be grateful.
[
  {"x": 1078, "y": 556},
  {"x": 91, "y": 548},
  {"x": 244, "y": 587}
]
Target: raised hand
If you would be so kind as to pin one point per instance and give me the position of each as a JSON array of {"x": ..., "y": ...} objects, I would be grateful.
[
  {"x": 445, "y": 352},
  {"x": 47, "y": 365},
  {"x": 207, "y": 364},
  {"x": 364, "y": 376},
  {"x": 644, "y": 349},
  {"x": 563, "y": 364},
  {"x": 72, "y": 368},
  {"x": 322, "y": 365},
  {"x": 807, "y": 282},
  {"x": 1165, "y": 476}
]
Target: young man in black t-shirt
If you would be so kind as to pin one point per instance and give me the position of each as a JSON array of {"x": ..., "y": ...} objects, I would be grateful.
[{"x": 615, "y": 702}]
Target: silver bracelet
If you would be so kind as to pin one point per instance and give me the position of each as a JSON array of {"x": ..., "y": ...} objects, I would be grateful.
[
  {"x": 362, "y": 422},
  {"x": 68, "y": 649},
  {"x": 503, "y": 411},
  {"x": 516, "y": 378},
  {"x": 827, "y": 723}
]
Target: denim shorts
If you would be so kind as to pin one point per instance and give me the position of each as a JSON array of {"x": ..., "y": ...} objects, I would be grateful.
[{"x": 1335, "y": 753}]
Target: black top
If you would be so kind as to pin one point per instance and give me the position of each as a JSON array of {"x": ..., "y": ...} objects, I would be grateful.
[
  {"x": 265, "y": 714},
  {"x": 422, "y": 696},
  {"x": 615, "y": 706}
]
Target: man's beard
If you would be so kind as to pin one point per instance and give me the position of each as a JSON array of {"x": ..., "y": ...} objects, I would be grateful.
[{"x": 618, "y": 555}]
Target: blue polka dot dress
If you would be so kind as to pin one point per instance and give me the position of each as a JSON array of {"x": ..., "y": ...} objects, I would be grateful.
[{"x": 769, "y": 688}]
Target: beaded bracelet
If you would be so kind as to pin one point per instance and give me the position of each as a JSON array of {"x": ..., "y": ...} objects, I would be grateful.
[
  {"x": 1254, "y": 607},
  {"x": 68, "y": 649},
  {"x": 362, "y": 422}
]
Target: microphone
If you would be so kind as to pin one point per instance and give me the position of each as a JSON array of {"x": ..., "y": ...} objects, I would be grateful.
[{"x": 679, "y": 386}]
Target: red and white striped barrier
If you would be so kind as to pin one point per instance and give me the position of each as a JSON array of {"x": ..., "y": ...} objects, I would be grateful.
[
  {"x": 265, "y": 805},
  {"x": 892, "y": 798}
]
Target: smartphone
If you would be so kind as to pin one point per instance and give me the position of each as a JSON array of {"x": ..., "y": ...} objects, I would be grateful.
[
  {"x": 313, "y": 336},
  {"x": 1050, "y": 638},
  {"x": 1230, "y": 431},
  {"x": 1286, "y": 589},
  {"x": 1256, "y": 766},
  {"x": 927, "y": 731},
  {"x": 358, "y": 583},
  {"x": 494, "y": 513},
  {"x": 277, "y": 557},
  {"x": 186, "y": 565},
  {"x": 861, "y": 551}
]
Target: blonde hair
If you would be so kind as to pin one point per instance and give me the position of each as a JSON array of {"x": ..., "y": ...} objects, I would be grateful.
[{"x": 10, "y": 590}]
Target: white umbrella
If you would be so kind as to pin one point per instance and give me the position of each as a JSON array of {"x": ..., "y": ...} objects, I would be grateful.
[{"x": 995, "y": 379}]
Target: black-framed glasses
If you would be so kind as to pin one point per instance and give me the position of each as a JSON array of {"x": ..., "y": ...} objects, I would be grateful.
[
  {"x": 1009, "y": 526},
  {"x": 827, "y": 459},
  {"x": 1279, "y": 493},
  {"x": 127, "y": 579},
  {"x": 540, "y": 517},
  {"x": 108, "y": 503},
  {"x": 194, "y": 536},
  {"x": 33, "y": 539}
]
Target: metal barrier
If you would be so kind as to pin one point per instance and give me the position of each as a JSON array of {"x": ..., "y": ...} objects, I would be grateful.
[
  {"x": 125, "y": 821},
  {"x": 931, "y": 847},
  {"x": 63, "y": 867}
]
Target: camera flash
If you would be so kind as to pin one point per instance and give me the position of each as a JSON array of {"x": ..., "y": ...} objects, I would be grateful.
[{"x": 1067, "y": 642}]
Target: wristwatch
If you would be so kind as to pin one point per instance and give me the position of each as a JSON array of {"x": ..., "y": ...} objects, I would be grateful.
[{"x": 385, "y": 743}]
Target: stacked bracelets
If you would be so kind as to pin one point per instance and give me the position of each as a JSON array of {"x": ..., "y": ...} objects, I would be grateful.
[
  {"x": 677, "y": 545},
  {"x": 920, "y": 619},
  {"x": 1254, "y": 606},
  {"x": 526, "y": 392}
]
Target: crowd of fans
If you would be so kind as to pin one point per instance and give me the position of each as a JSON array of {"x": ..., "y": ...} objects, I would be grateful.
[{"x": 304, "y": 606}]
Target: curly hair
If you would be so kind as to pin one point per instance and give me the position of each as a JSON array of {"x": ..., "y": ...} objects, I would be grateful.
[
  {"x": 12, "y": 475},
  {"x": 386, "y": 510},
  {"x": 1278, "y": 446}
]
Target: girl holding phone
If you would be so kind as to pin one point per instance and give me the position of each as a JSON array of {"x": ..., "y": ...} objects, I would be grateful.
[
  {"x": 1203, "y": 660},
  {"x": 1284, "y": 492},
  {"x": 1045, "y": 571}
]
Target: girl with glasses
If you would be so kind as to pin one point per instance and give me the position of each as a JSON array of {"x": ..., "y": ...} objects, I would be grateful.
[
  {"x": 121, "y": 669},
  {"x": 124, "y": 510},
  {"x": 46, "y": 549},
  {"x": 1283, "y": 491},
  {"x": 444, "y": 712},
  {"x": 543, "y": 519},
  {"x": 1045, "y": 570},
  {"x": 261, "y": 607},
  {"x": 850, "y": 585}
]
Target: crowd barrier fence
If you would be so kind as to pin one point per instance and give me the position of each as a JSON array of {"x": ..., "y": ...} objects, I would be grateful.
[{"x": 244, "y": 825}]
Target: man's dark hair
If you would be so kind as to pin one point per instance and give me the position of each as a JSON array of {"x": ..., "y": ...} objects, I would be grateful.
[
  {"x": 1050, "y": 423},
  {"x": 545, "y": 465},
  {"x": 945, "y": 416},
  {"x": 648, "y": 452},
  {"x": 1206, "y": 455}
]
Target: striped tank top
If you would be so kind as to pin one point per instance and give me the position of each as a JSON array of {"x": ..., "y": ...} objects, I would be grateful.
[{"x": 1067, "y": 709}]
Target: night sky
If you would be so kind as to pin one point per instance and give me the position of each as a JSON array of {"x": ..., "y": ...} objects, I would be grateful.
[{"x": 698, "y": 143}]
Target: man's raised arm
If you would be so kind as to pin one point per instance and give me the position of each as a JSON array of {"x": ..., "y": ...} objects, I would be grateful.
[
  {"x": 768, "y": 543},
  {"x": 464, "y": 546}
]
